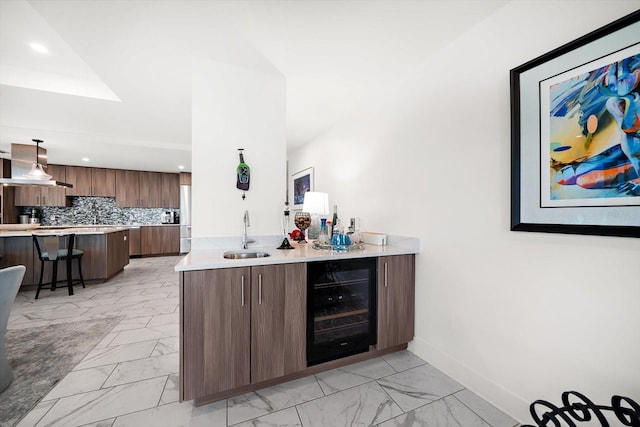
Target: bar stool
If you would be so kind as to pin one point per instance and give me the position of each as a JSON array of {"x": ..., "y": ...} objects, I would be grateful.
[{"x": 57, "y": 247}]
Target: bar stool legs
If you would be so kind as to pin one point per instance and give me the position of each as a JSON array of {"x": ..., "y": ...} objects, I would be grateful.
[{"x": 56, "y": 251}]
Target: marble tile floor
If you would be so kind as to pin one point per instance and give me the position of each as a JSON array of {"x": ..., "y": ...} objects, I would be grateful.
[{"x": 131, "y": 377}]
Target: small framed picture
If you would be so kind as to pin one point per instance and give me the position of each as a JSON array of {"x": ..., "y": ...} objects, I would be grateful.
[{"x": 301, "y": 182}]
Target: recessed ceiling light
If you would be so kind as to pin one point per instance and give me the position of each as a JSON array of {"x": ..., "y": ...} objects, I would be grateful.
[
  {"x": 39, "y": 48},
  {"x": 85, "y": 159},
  {"x": 180, "y": 167}
]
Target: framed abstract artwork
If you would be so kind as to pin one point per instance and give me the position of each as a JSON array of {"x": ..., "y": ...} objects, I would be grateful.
[
  {"x": 301, "y": 182},
  {"x": 575, "y": 136}
]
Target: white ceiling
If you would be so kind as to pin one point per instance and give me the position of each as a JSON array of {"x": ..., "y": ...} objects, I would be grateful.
[{"x": 116, "y": 84}]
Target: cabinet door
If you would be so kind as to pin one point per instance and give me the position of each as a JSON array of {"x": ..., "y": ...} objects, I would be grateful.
[
  {"x": 170, "y": 190},
  {"x": 127, "y": 188},
  {"x": 170, "y": 239},
  {"x": 134, "y": 242},
  {"x": 150, "y": 189},
  {"x": 80, "y": 178},
  {"x": 27, "y": 196},
  {"x": 55, "y": 196},
  {"x": 148, "y": 239},
  {"x": 396, "y": 305},
  {"x": 103, "y": 182},
  {"x": 278, "y": 321},
  {"x": 215, "y": 331}
]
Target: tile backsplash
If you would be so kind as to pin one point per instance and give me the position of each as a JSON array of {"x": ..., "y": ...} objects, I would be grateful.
[{"x": 97, "y": 210}]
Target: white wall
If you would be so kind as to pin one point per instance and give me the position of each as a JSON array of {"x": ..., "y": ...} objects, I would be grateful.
[
  {"x": 237, "y": 107},
  {"x": 513, "y": 316}
]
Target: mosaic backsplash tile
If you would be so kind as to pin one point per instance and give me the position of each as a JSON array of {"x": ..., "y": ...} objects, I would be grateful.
[{"x": 98, "y": 210}]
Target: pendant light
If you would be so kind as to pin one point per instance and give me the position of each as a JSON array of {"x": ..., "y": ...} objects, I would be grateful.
[{"x": 37, "y": 171}]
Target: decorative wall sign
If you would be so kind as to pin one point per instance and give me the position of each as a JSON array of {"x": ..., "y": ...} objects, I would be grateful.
[
  {"x": 301, "y": 182},
  {"x": 242, "y": 174},
  {"x": 575, "y": 135}
]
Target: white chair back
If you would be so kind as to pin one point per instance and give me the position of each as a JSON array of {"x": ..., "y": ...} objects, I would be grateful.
[{"x": 10, "y": 281}]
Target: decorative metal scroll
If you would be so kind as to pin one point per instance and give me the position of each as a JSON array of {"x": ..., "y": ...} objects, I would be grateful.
[{"x": 625, "y": 411}]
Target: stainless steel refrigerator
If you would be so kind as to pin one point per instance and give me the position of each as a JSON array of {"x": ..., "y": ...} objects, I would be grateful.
[{"x": 185, "y": 219}]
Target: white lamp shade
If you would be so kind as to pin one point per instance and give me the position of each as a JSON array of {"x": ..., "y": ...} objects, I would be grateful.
[{"x": 316, "y": 203}]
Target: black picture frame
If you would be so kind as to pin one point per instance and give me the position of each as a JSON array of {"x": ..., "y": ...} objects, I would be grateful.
[{"x": 525, "y": 216}]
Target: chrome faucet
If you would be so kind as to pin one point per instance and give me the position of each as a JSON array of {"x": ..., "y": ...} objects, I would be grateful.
[{"x": 245, "y": 240}]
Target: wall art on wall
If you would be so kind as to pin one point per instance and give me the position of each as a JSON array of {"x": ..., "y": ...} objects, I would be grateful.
[
  {"x": 575, "y": 135},
  {"x": 301, "y": 182}
]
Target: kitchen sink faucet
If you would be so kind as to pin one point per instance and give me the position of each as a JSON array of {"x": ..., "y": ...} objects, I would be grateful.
[{"x": 245, "y": 240}]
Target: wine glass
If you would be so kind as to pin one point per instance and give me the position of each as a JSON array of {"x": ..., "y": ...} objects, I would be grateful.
[{"x": 302, "y": 220}]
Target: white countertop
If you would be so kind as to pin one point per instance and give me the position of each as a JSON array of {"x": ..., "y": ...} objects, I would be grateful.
[{"x": 212, "y": 258}]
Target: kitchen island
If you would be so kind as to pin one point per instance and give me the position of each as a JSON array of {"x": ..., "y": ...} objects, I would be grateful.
[
  {"x": 251, "y": 323},
  {"x": 106, "y": 252}
]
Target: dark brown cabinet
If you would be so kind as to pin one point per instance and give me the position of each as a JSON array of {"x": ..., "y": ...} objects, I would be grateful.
[
  {"x": 91, "y": 181},
  {"x": 216, "y": 327},
  {"x": 159, "y": 239},
  {"x": 278, "y": 313},
  {"x": 134, "y": 242},
  {"x": 170, "y": 190},
  {"x": 396, "y": 300},
  {"x": 118, "y": 251},
  {"x": 8, "y": 211},
  {"x": 43, "y": 196},
  {"x": 127, "y": 188},
  {"x": 147, "y": 189},
  {"x": 241, "y": 326},
  {"x": 104, "y": 255},
  {"x": 104, "y": 182},
  {"x": 150, "y": 190},
  {"x": 185, "y": 178}
]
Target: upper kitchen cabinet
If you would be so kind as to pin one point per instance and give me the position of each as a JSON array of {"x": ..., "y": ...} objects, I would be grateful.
[
  {"x": 104, "y": 182},
  {"x": 127, "y": 188},
  {"x": 170, "y": 190},
  {"x": 140, "y": 189},
  {"x": 91, "y": 181},
  {"x": 43, "y": 196},
  {"x": 185, "y": 178},
  {"x": 150, "y": 190}
]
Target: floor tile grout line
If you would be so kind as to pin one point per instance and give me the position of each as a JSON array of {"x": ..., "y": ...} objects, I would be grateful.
[
  {"x": 392, "y": 399},
  {"x": 45, "y": 412},
  {"x": 469, "y": 408},
  {"x": 164, "y": 387},
  {"x": 433, "y": 401},
  {"x": 472, "y": 410},
  {"x": 298, "y": 413},
  {"x": 115, "y": 366}
]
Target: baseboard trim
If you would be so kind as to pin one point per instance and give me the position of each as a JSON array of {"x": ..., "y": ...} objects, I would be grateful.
[{"x": 503, "y": 399}]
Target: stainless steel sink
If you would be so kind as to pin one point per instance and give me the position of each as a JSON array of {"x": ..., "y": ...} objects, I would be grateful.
[{"x": 245, "y": 254}]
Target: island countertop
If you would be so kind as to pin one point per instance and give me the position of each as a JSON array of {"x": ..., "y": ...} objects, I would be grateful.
[
  {"x": 213, "y": 258},
  {"x": 63, "y": 230}
]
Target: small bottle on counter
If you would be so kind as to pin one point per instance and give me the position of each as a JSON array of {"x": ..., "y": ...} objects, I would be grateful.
[
  {"x": 323, "y": 237},
  {"x": 334, "y": 221}
]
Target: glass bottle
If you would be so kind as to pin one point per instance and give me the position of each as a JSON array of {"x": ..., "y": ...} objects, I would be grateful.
[{"x": 323, "y": 237}]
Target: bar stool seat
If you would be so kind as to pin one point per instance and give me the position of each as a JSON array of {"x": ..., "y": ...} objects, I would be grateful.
[{"x": 53, "y": 248}]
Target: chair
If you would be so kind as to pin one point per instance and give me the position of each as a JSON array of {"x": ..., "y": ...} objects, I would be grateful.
[
  {"x": 53, "y": 248},
  {"x": 10, "y": 281}
]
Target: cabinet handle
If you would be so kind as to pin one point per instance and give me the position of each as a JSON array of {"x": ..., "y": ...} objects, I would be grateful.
[
  {"x": 386, "y": 270},
  {"x": 259, "y": 288},
  {"x": 242, "y": 294}
]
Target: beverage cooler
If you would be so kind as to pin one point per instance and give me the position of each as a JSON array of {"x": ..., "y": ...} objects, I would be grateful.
[{"x": 341, "y": 312}]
